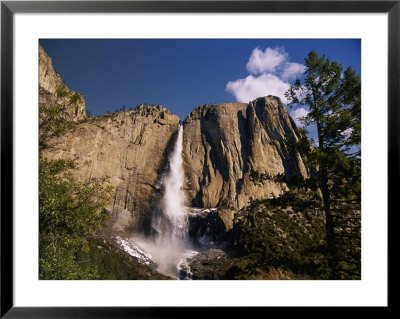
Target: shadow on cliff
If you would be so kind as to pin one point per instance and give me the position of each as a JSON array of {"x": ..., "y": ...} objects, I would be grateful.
[
  {"x": 290, "y": 161},
  {"x": 210, "y": 134},
  {"x": 243, "y": 126},
  {"x": 145, "y": 224}
]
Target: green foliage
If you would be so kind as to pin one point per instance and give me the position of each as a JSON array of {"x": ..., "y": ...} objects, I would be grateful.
[
  {"x": 69, "y": 211},
  {"x": 259, "y": 178},
  {"x": 66, "y": 202},
  {"x": 333, "y": 98},
  {"x": 297, "y": 181},
  {"x": 285, "y": 232},
  {"x": 52, "y": 123},
  {"x": 75, "y": 98},
  {"x": 334, "y": 101},
  {"x": 61, "y": 91},
  {"x": 297, "y": 201},
  {"x": 302, "y": 145}
]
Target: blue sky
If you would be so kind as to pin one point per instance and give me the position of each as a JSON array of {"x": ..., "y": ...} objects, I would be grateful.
[{"x": 182, "y": 74}]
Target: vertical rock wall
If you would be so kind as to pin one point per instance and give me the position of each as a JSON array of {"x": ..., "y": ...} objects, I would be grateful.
[{"x": 224, "y": 142}]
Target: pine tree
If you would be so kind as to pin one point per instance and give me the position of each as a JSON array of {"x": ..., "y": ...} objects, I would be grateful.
[{"x": 333, "y": 99}]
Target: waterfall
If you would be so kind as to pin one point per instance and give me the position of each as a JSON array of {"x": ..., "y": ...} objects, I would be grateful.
[
  {"x": 172, "y": 223},
  {"x": 170, "y": 246}
]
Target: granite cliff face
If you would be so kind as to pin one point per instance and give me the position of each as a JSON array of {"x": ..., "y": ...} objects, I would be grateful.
[
  {"x": 53, "y": 91},
  {"x": 130, "y": 148},
  {"x": 224, "y": 143}
]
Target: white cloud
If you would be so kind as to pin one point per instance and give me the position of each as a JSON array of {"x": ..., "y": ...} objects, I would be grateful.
[
  {"x": 271, "y": 73},
  {"x": 267, "y": 61},
  {"x": 297, "y": 114},
  {"x": 252, "y": 87},
  {"x": 292, "y": 70}
]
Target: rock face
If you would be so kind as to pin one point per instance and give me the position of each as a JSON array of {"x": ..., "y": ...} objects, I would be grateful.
[
  {"x": 224, "y": 143},
  {"x": 129, "y": 147},
  {"x": 53, "y": 91}
]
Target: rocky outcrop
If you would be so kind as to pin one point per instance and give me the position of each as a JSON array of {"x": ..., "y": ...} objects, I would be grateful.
[
  {"x": 211, "y": 264},
  {"x": 217, "y": 264},
  {"x": 224, "y": 143},
  {"x": 206, "y": 227},
  {"x": 53, "y": 91}
]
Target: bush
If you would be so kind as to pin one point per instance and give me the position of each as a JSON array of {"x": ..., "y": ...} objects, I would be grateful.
[{"x": 69, "y": 211}]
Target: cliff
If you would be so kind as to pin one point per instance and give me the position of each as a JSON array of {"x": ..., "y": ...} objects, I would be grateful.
[
  {"x": 224, "y": 143},
  {"x": 130, "y": 148},
  {"x": 53, "y": 91}
]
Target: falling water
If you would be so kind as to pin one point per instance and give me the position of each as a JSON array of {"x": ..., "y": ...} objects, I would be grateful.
[
  {"x": 172, "y": 224},
  {"x": 171, "y": 246}
]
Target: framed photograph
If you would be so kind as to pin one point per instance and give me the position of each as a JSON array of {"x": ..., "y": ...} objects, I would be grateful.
[{"x": 161, "y": 156}]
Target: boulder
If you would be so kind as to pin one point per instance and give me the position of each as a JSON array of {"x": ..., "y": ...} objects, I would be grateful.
[{"x": 211, "y": 264}]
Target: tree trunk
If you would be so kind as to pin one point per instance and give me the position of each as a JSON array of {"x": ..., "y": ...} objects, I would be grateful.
[
  {"x": 329, "y": 222},
  {"x": 330, "y": 232}
]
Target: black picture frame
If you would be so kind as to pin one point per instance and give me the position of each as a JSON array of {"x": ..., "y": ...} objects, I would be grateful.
[{"x": 9, "y": 8}]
